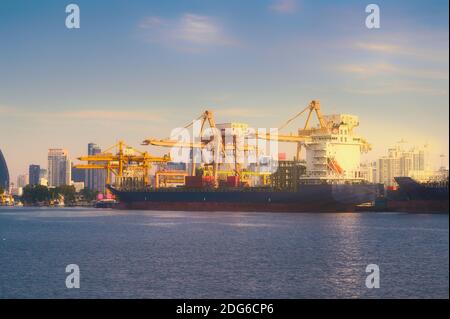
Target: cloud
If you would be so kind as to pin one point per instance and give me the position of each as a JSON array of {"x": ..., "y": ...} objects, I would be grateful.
[
  {"x": 422, "y": 52},
  {"x": 243, "y": 112},
  {"x": 394, "y": 88},
  {"x": 284, "y": 6},
  {"x": 97, "y": 115},
  {"x": 380, "y": 47},
  {"x": 190, "y": 32},
  {"x": 382, "y": 68},
  {"x": 201, "y": 30},
  {"x": 399, "y": 66},
  {"x": 368, "y": 69},
  {"x": 110, "y": 115}
]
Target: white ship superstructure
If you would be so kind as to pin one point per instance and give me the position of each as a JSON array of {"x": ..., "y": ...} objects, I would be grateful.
[{"x": 334, "y": 154}]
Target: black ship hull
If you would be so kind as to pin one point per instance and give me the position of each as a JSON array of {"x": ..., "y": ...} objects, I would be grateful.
[
  {"x": 413, "y": 197},
  {"x": 308, "y": 198}
]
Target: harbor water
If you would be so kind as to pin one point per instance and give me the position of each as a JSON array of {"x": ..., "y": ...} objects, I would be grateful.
[{"x": 149, "y": 254}]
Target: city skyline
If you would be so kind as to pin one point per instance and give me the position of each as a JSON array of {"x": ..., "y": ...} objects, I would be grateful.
[{"x": 146, "y": 68}]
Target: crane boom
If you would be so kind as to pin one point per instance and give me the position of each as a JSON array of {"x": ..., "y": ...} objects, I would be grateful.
[
  {"x": 283, "y": 138},
  {"x": 206, "y": 116},
  {"x": 304, "y": 135},
  {"x": 173, "y": 143}
]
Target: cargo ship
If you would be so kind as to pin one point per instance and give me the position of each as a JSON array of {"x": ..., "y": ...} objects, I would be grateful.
[
  {"x": 414, "y": 197},
  {"x": 328, "y": 180},
  {"x": 308, "y": 198}
]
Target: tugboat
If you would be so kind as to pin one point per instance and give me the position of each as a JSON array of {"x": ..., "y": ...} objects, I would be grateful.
[{"x": 108, "y": 202}]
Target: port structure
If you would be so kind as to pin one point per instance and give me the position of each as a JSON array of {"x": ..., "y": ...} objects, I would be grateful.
[
  {"x": 332, "y": 149},
  {"x": 126, "y": 162},
  {"x": 205, "y": 117},
  {"x": 219, "y": 148},
  {"x": 165, "y": 178},
  {"x": 6, "y": 199},
  {"x": 304, "y": 135}
]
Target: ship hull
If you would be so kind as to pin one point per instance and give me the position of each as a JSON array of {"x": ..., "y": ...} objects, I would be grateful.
[
  {"x": 413, "y": 197},
  {"x": 419, "y": 206},
  {"x": 309, "y": 198}
]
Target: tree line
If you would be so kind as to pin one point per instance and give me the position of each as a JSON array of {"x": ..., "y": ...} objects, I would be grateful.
[{"x": 33, "y": 194}]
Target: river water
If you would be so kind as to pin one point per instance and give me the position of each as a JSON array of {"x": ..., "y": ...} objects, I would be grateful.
[{"x": 148, "y": 254}]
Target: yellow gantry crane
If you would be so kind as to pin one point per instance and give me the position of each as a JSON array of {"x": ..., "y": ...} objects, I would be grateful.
[
  {"x": 206, "y": 117},
  {"x": 220, "y": 147},
  {"x": 304, "y": 135},
  {"x": 125, "y": 158}
]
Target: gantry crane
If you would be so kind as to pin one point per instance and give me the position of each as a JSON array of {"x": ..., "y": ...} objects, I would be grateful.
[
  {"x": 219, "y": 147},
  {"x": 304, "y": 135},
  {"x": 125, "y": 158},
  {"x": 206, "y": 117}
]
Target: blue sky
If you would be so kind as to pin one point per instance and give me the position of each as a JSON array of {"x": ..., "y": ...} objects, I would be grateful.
[{"x": 137, "y": 69}]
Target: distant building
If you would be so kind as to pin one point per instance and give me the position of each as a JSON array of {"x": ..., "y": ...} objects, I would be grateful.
[
  {"x": 34, "y": 172},
  {"x": 369, "y": 172},
  {"x": 4, "y": 174},
  {"x": 43, "y": 173},
  {"x": 23, "y": 180},
  {"x": 59, "y": 168},
  {"x": 95, "y": 178},
  {"x": 78, "y": 175},
  {"x": 17, "y": 191},
  {"x": 43, "y": 181},
  {"x": 398, "y": 162},
  {"x": 78, "y": 186}
]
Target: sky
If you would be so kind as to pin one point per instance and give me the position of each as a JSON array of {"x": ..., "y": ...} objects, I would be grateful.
[{"x": 137, "y": 69}]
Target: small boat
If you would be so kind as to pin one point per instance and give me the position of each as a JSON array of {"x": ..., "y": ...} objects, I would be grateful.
[{"x": 105, "y": 203}]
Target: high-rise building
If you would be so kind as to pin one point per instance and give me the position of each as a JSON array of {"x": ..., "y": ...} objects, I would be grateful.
[
  {"x": 43, "y": 177},
  {"x": 34, "y": 172},
  {"x": 78, "y": 174},
  {"x": 95, "y": 178},
  {"x": 23, "y": 180},
  {"x": 399, "y": 162},
  {"x": 388, "y": 168},
  {"x": 59, "y": 169},
  {"x": 369, "y": 171},
  {"x": 4, "y": 174},
  {"x": 43, "y": 173}
]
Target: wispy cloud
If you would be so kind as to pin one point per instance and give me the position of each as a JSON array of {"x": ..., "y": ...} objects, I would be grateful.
[
  {"x": 284, "y": 6},
  {"x": 380, "y": 47},
  {"x": 237, "y": 112},
  {"x": 422, "y": 52},
  {"x": 368, "y": 69},
  {"x": 382, "y": 68},
  {"x": 397, "y": 88},
  {"x": 95, "y": 115},
  {"x": 111, "y": 115},
  {"x": 190, "y": 32}
]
